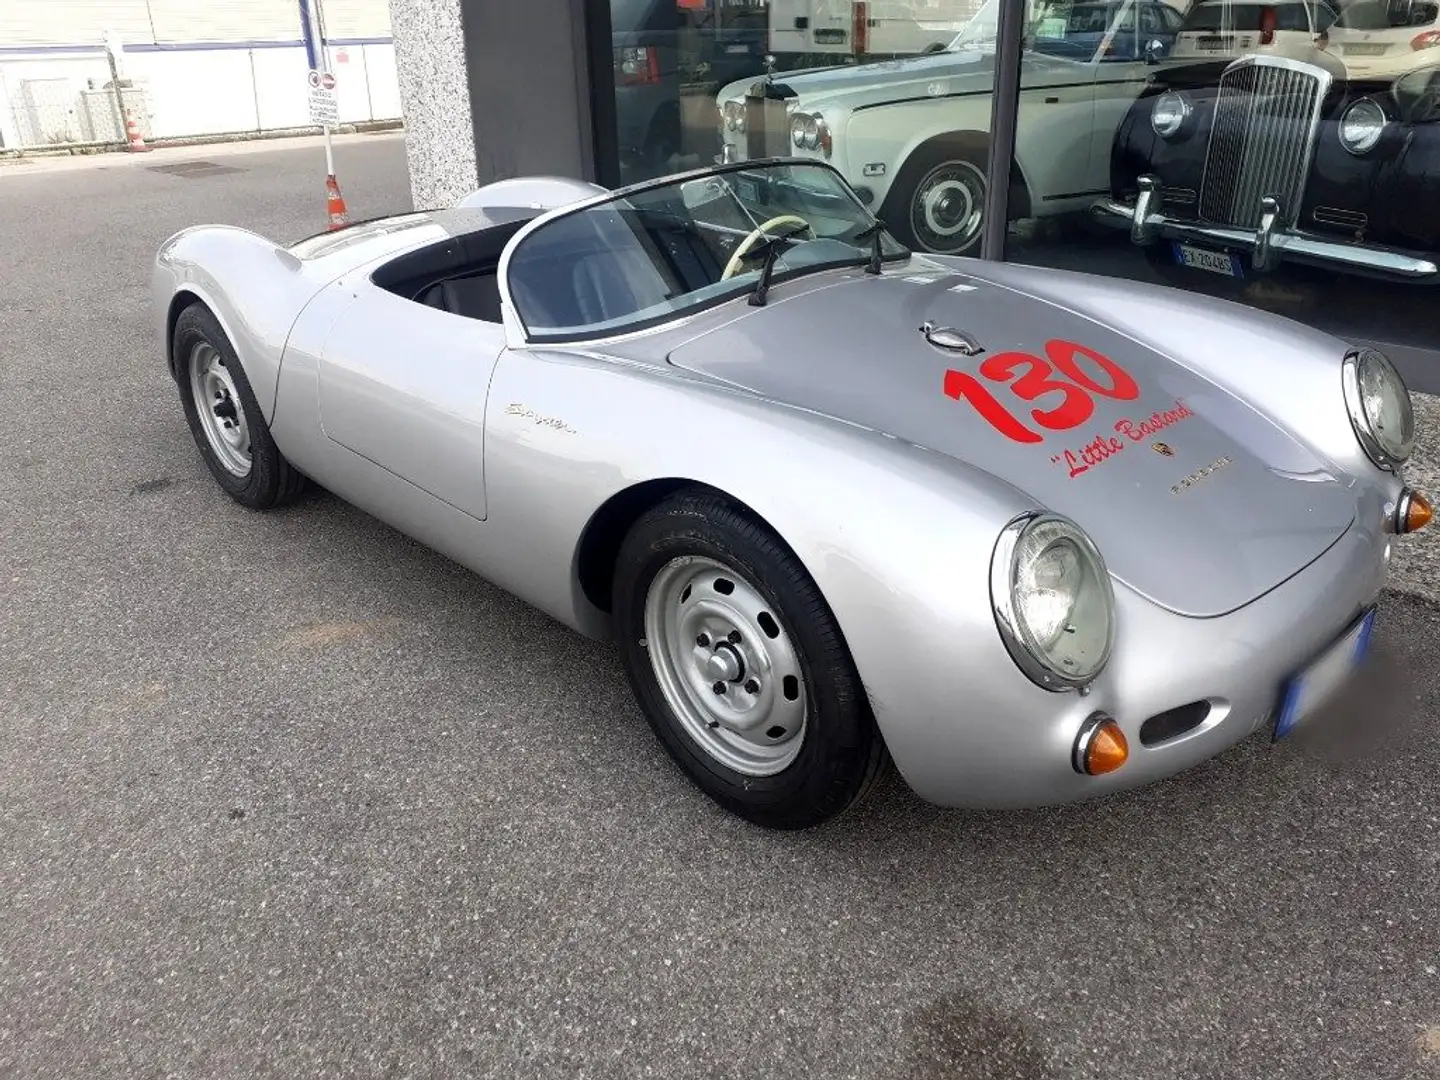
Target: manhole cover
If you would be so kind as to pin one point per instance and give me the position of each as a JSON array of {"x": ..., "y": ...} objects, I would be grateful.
[{"x": 194, "y": 168}]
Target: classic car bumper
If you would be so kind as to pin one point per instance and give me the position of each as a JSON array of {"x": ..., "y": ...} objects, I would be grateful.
[
  {"x": 1235, "y": 666},
  {"x": 1268, "y": 245}
]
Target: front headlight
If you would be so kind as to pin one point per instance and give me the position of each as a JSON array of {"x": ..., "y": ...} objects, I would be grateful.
[
  {"x": 1361, "y": 126},
  {"x": 804, "y": 131},
  {"x": 734, "y": 114},
  {"x": 808, "y": 131},
  {"x": 1379, "y": 405},
  {"x": 1054, "y": 604},
  {"x": 1169, "y": 113}
]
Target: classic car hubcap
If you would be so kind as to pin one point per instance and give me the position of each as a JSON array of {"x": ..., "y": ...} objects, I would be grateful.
[
  {"x": 726, "y": 666},
  {"x": 218, "y": 403},
  {"x": 948, "y": 206}
]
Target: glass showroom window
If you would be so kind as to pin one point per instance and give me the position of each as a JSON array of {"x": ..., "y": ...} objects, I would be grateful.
[
  {"x": 895, "y": 94},
  {"x": 1283, "y": 153}
]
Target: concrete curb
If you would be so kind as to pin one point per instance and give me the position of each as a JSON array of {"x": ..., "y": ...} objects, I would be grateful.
[{"x": 364, "y": 127}]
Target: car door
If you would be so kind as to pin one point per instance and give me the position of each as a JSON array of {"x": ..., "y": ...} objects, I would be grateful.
[
  {"x": 1056, "y": 98},
  {"x": 1120, "y": 75},
  {"x": 404, "y": 385}
]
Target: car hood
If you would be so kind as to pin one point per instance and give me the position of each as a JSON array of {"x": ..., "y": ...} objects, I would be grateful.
[
  {"x": 966, "y": 71},
  {"x": 914, "y": 76},
  {"x": 1196, "y": 500}
]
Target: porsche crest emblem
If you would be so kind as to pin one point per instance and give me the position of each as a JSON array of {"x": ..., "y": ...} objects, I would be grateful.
[{"x": 1162, "y": 448}]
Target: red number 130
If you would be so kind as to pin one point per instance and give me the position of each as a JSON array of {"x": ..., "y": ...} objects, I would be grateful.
[{"x": 1075, "y": 405}]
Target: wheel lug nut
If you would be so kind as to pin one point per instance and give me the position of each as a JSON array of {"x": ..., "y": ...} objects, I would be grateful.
[
  {"x": 703, "y": 641},
  {"x": 719, "y": 688},
  {"x": 751, "y": 686},
  {"x": 734, "y": 637}
]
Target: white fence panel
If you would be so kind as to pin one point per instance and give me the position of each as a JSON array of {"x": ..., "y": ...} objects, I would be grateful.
[{"x": 200, "y": 92}]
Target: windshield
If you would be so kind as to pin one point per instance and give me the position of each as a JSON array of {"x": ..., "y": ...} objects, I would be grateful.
[
  {"x": 678, "y": 246},
  {"x": 1389, "y": 14},
  {"x": 1050, "y": 23}
]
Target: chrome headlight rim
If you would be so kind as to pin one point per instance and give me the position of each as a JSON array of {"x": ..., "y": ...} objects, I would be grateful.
[
  {"x": 808, "y": 131},
  {"x": 1361, "y": 147},
  {"x": 1182, "y": 110},
  {"x": 1026, "y": 653},
  {"x": 1389, "y": 458}
]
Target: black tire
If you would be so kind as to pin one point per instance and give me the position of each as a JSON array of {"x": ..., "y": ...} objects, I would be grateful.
[
  {"x": 842, "y": 752},
  {"x": 271, "y": 480},
  {"x": 920, "y": 169}
]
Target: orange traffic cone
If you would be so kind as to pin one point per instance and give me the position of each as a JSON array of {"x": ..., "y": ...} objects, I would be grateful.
[
  {"x": 335, "y": 204},
  {"x": 132, "y": 133}
]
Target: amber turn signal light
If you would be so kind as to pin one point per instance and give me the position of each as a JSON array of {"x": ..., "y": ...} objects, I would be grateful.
[
  {"x": 1100, "y": 747},
  {"x": 1413, "y": 513}
]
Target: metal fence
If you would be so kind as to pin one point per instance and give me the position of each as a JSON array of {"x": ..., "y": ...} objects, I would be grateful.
[{"x": 61, "y": 111}]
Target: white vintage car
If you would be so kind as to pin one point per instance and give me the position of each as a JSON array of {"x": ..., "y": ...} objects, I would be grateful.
[{"x": 911, "y": 136}]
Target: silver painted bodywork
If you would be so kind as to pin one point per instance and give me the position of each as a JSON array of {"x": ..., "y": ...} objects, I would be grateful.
[{"x": 823, "y": 413}]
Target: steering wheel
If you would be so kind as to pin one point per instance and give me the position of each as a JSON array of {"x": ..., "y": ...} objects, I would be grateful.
[{"x": 733, "y": 266}]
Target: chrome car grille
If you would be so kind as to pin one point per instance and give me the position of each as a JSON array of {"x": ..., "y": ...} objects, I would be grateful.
[{"x": 1266, "y": 114}]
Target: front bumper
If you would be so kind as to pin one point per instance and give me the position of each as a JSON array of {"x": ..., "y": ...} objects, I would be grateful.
[
  {"x": 1237, "y": 663},
  {"x": 1268, "y": 245}
]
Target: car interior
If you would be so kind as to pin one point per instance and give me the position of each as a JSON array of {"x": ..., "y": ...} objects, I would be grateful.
[{"x": 459, "y": 275}]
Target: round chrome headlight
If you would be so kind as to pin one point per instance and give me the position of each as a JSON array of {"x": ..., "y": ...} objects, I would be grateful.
[
  {"x": 1169, "y": 113},
  {"x": 1054, "y": 604},
  {"x": 804, "y": 131},
  {"x": 1380, "y": 408},
  {"x": 1361, "y": 126}
]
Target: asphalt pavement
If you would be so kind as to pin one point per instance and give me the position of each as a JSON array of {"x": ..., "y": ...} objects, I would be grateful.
[{"x": 290, "y": 796}]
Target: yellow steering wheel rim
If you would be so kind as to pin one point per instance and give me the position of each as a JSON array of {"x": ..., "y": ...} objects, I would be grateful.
[{"x": 733, "y": 266}]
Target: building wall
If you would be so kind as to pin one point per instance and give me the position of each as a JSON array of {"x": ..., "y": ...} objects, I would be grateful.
[
  {"x": 198, "y": 69},
  {"x": 76, "y": 22},
  {"x": 433, "y": 87}
]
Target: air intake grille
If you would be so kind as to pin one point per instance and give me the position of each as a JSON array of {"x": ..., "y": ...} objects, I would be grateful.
[{"x": 1265, "y": 120}]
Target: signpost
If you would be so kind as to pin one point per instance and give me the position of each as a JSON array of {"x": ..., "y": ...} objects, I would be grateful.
[{"x": 324, "y": 106}]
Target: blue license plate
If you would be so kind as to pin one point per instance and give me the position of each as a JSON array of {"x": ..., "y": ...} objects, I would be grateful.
[
  {"x": 1308, "y": 690},
  {"x": 1199, "y": 258}
]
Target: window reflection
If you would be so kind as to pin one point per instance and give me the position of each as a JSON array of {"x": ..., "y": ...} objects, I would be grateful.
[{"x": 1283, "y": 153}]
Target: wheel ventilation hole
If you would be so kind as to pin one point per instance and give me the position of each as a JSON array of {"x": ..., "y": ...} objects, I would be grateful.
[
  {"x": 792, "y": 687},
  {"x": 685, "y": 596},
  {"x": 775, "y": 732},
  {"x": 724, "y": 586},
  {"x": 768, "y": 624}
]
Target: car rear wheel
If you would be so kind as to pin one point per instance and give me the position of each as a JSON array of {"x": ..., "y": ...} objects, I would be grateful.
[
  {"x": 224, "y": 417},
  {"x": 739, "y": 665},
  {"x": 938, "y": 201}
]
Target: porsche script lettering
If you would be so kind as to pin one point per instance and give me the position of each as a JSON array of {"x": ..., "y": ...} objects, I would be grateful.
[
  {"x": 1128, "y": 432},
  {"x": 516, "y": 409},
  {"x": 1200, "y": 474}
]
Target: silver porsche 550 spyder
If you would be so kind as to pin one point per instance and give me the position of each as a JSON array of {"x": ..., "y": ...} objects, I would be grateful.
[{"x": 1032, "y": 535}]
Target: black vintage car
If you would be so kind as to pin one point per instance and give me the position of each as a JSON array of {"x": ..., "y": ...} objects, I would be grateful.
[{"x": 1238, "y": 167}]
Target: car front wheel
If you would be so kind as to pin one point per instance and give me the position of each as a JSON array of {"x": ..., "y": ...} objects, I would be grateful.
[{"x": 739, "y": 665}]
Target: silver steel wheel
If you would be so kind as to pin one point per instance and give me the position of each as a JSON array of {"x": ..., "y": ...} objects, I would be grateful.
[
  {"x": 948, "y": 207},
  {"x": 726, "y": 665},
  {"x": 222, "y": 416}
]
